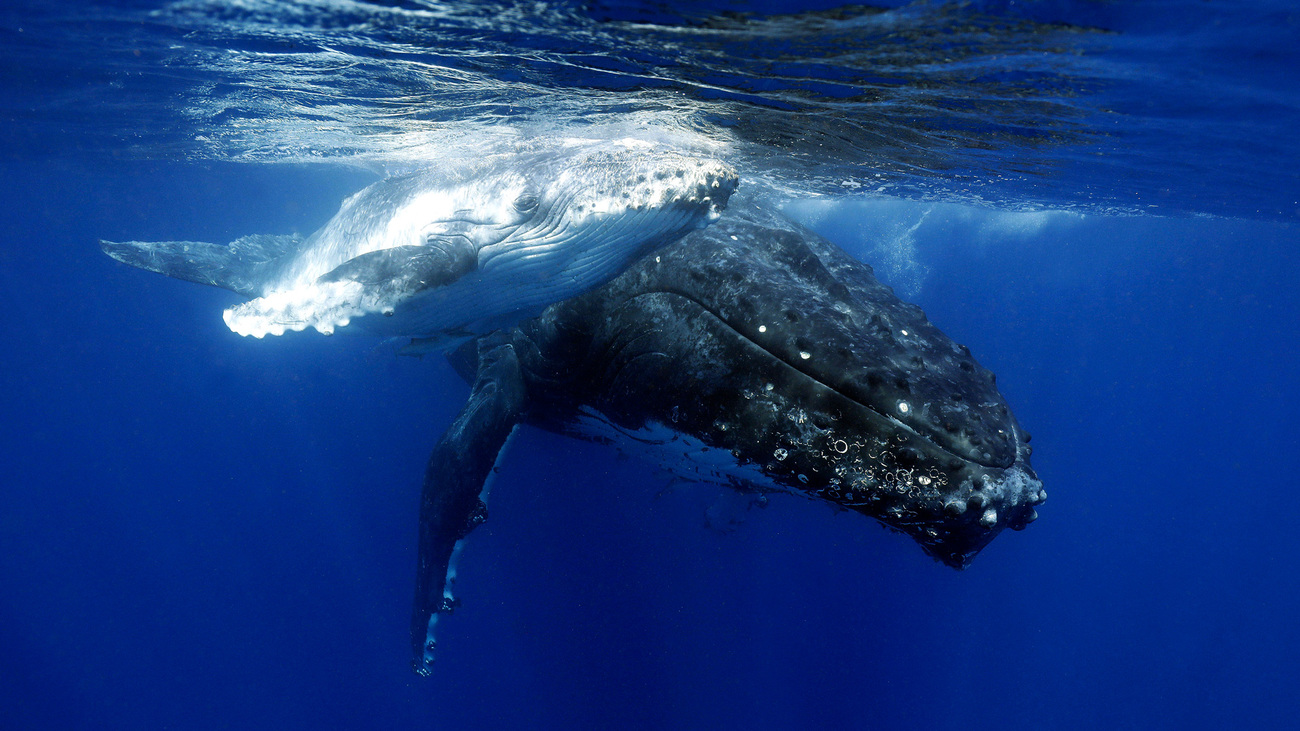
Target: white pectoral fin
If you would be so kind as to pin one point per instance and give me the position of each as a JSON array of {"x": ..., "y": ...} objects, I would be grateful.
[
  {"x": 324, "y": 306},
  {"x": 370, "y": 283}
]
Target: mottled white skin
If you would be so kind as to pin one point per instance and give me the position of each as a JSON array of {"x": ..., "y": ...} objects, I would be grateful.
[{"x": 542, "y": 227}]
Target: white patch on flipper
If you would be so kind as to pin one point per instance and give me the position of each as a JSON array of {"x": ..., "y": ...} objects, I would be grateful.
[{"x": 324, "y": 306}]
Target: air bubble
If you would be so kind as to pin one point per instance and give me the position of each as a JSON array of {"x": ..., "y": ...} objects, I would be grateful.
[
  {"x": 805, "y": 354},
  {"x": 762, "y": 328},
  {"x": 904, "y": 407},
  {"x": 780, "y": 454}
]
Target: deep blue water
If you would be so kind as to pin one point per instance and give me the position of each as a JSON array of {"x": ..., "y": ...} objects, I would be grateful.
[{"x": 199, "y": 530}]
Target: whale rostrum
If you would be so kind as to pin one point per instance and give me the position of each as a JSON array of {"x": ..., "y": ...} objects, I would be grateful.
[
  {"x": 752, "y": 354},
  {"x": 459, "y": 248}
]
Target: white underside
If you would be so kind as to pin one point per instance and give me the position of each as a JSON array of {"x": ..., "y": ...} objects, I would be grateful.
[{"x": 516, "y": 279}]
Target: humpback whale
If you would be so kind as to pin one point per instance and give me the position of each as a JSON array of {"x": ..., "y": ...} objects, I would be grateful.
[
  {"x": 752, "y": 354},
  {"x": 459, "y": 249}
]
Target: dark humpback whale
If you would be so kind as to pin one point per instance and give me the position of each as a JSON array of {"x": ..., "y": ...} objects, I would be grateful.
[
  {"x": 757, "y": 355},
  {"x": 460, "y": 248}
]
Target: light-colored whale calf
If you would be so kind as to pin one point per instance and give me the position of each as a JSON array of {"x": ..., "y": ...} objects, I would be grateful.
[{"x": 460, "y": 249}]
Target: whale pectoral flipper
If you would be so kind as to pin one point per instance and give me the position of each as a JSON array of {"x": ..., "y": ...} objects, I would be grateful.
[
  {"x": 408, "y": 269},
  {"x": 244, "y": 266},
  {"x": 455, "y": 485},
  {"x": 374, "y": 282}
]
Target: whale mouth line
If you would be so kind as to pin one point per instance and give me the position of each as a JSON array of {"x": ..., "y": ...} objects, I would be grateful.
[{"x": 893, "y": 421}]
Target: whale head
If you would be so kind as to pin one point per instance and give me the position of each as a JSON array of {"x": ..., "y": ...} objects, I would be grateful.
[{"x": 859, "y": 400}]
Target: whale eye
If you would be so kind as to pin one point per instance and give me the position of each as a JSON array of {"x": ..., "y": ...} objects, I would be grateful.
[{"x": 525, "y": 203}]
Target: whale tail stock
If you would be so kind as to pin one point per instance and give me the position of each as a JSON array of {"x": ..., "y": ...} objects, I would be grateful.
[{"x": 243, "y": 267}]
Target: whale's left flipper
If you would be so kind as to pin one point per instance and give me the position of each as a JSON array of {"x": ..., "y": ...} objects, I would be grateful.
[{"x": 456, "y": 485}]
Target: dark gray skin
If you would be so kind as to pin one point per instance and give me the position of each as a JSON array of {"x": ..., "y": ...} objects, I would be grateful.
[{"x": 778, "y": 361}]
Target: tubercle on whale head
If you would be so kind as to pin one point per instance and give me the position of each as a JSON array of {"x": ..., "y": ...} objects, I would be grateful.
[
  {"x": 622, "y": 180},
  {"x": 718, "y": 192}
]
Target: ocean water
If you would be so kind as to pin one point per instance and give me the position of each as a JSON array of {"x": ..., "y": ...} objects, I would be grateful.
[{"x": 199, "y": 530}]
